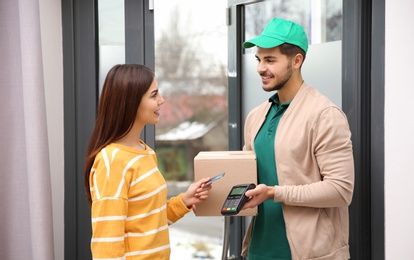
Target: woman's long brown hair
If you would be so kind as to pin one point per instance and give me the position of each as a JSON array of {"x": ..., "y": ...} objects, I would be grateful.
[{"x": 124, "y": 86}]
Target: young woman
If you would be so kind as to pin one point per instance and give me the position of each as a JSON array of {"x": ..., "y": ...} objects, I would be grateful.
[{"x": 126, "y": 191}]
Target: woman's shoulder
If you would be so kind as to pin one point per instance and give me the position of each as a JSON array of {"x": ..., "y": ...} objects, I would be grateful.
[
  {"x": 128, "y": 150},
  {"x": 117, "y": 154}
]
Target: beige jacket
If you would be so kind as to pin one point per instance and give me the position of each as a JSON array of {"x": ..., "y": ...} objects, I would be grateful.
[{"x": 315, "y": 170}]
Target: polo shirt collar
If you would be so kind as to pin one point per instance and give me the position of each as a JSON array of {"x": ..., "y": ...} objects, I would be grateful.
[{"x": 274, "y": 99}]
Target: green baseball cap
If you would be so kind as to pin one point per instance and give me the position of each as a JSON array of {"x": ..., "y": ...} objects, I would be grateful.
[{"x": 277, "y": 32}]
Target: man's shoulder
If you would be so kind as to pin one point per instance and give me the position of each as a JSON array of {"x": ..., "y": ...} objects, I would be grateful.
[
  {"x": 310, "y": 103},
  {"x": 312, "y": 96}
]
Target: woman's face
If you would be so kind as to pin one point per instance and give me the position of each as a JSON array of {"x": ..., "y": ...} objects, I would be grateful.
[{"x": 148, "y": 110}]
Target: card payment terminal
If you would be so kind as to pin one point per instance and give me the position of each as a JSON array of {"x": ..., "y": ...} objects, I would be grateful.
[{"x": 236, "y": 199}]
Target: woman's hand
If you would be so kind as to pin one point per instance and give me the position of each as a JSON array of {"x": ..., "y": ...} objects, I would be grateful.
[{"x": 196, "y": 193}]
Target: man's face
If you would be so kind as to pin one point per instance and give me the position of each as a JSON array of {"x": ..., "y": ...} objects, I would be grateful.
[{"x": 274, "y": 68}]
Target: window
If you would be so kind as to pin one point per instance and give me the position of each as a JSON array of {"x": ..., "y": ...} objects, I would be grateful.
[{"x": 111, "y": 36}]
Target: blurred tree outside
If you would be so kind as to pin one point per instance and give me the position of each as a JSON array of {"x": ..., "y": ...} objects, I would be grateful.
[{"x": 193, "y": 83}]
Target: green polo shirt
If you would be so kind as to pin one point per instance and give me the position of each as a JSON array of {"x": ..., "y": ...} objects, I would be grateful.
[{"x": 269, "y": 239}]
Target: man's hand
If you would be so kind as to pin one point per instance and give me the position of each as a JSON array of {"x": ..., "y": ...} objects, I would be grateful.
[{"x": 258, "y": 195}]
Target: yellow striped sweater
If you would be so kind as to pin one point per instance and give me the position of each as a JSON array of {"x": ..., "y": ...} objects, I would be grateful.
[{"x": 130, "y": 212}]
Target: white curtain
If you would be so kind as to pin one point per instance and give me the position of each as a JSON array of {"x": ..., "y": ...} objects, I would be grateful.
[{"x": 26, "y": 225}]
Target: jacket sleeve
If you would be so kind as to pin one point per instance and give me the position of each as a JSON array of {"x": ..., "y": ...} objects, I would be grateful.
[
  {"x": 254, "y": 121},
  {"x": 176, "y": 209},
  {"x": 247, "y": 133},
  {"x": 330, "y": 143}
]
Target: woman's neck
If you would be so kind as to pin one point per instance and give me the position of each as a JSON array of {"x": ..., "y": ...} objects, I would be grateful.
[{"x": 132, "y": 139}]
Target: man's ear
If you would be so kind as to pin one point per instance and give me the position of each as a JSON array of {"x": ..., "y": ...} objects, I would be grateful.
[{"x": 297, "y": 61}]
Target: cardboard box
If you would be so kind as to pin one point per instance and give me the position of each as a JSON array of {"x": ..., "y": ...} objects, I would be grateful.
[{"x": 239, "y": 168}]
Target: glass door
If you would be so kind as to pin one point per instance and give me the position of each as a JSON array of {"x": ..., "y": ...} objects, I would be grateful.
[
  {"x": 111, "y": 36},
  {"x": 190, "y": 66}
]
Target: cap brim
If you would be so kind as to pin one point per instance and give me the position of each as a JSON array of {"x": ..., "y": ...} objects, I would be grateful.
[{"x": 263, "y": 42}]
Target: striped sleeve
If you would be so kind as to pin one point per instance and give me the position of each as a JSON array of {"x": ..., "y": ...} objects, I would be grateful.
[
  {"x": 176, "y": 209},
  {"x": 108, "y": 222},
  {"x": 109, "y": 207}
]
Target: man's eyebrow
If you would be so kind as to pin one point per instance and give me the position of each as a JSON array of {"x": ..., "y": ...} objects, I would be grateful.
[
  {"x": 266, "y": 57},
  {"x": 270, "y": 57}
]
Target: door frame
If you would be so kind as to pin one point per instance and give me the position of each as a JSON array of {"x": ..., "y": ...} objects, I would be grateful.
[
  {"x": 81, "y": 93},
  {"x": 80, "y": 80},
  {"x": 362, "y": 101}
]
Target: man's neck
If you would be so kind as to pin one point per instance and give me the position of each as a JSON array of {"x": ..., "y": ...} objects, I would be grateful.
[{"x": 288, "y": 92}]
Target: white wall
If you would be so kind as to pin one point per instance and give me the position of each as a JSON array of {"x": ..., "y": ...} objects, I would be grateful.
[
  {"x": 399, "y": 129},
  {"x": 51, "y": 36}
]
